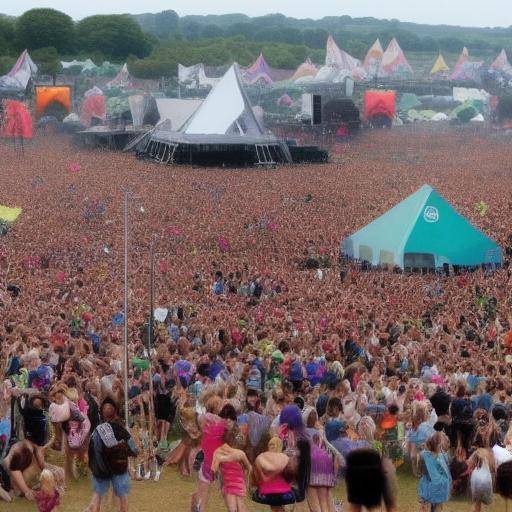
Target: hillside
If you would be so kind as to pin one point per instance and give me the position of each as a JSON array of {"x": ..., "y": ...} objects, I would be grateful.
[{"x": 280, "y": 28}]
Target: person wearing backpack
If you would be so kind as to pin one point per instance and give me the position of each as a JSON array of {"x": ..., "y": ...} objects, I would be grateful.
[{"x": 109, "y": 449}]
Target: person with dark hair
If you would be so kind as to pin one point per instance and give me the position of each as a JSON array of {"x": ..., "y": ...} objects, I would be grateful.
[
  {"x": 370, "y": 481},
  {"x": 231, "y": 460},
  {"x": 110, "y": 446},
  {"x": 20, "y": 458}
]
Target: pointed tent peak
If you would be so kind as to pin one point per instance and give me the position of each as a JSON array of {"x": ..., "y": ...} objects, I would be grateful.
[
  {"x": 260, "y": 70},
  {"x": 24, "y": 61},
  {"x": 307, "y": 68},
  {"x": 332, "y": 53},
  {"x": 465, "y": 52},
  {"x": 122, "y": 79},
  {"x": 394, "y": 62},
  {"x": 439, "y": 66},
  {"x": 420, "y": 231},
  {"x": 374, "y": 53},
  {"x": 501, "y": 62},
  {"x": 338, "y": 58},
  {"x": 225, "y": 111}
]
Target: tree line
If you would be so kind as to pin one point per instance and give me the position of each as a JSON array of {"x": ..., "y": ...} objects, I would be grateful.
[{"x": 154, "y": 44}]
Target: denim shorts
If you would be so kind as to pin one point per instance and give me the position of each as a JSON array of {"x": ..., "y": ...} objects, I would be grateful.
[{"x": 120, "y": 484}]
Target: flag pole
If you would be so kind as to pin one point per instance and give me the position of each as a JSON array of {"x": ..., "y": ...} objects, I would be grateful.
[
  {"x": 125, "y": 372},
  {"x": 150, "y": 336}
]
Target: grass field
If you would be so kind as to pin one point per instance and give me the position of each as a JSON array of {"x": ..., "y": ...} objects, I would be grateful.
[{"x": 172, "y": 492}]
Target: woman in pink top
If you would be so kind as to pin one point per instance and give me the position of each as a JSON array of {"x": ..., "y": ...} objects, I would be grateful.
[
  {"x": 213, "y": 428},
  {"x": 232, "y": 461}
]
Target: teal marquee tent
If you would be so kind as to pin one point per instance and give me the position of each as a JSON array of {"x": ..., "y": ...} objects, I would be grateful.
[{"x": 422, "y": 231}]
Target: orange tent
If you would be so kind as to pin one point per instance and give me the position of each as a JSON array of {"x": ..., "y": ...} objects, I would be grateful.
[
  {"x": 17, "y": 120},
  {"x": 45, "y": 96},
  {"x": 379, "y": 103}
]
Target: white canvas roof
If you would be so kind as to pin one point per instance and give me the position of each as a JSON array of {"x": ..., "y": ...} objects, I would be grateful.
[
  {"x": 177, "y": 111},
  {"x": 19, "y": 76},
  {"x": 226, "y": 110}
]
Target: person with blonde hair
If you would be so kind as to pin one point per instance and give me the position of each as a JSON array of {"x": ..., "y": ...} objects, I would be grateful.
[
  {"x": 48, "y": 496},
  {"x": 436, "y": 481}
]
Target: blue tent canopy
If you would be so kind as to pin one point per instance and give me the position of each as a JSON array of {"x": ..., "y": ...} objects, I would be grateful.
[{"x": 422, "y": 231}]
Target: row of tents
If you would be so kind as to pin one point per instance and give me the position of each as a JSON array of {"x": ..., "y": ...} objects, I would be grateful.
[
  {"x": 16, "y": 81},
  {"x": 340, "y": 65}
]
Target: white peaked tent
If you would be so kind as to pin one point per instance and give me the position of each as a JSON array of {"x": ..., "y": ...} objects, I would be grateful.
[
  {"x": 122, "y": 80},
  {"x": 339, "y": 65},
  {"x": 18, "y": 77},
  {"x": 226, "y": 110},
  {"x": 223, "y": 127}
]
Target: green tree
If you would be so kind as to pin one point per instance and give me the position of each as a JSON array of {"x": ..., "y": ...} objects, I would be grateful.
[
  {"x": 6, "y": 64},
  {"x": 211, "y": 31},
  {"x": 166, "y": 24},
  {"x": 315, "y": 38},
  {"x": 7, "y": 35},
  {"x": 116, "y": 36},
  {"x": 42, "y": 28},
  {"x": 48, "y": 62}
]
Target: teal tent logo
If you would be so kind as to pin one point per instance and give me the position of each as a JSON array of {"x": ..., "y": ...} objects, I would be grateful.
[{"x": 431, "y": 214}]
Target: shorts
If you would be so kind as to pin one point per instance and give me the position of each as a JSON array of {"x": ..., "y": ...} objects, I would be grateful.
[{"x": 120, "y": 485}]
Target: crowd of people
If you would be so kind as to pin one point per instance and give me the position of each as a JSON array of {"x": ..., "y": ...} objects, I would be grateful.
[{"x": 275, "y": 368}]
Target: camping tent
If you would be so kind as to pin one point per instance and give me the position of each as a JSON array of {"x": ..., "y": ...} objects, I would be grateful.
[
  {"x": 466, "y": 70},
  {"x": 122, "y": 79},
  {"x": 222, "y": 131},
  {"x": 422, "y": 231},
  {"x": 17, "y": 120},
  {"x": 394, "y": 63},
  {"x": 339, "y": 65},
  {"x": 46, "y": 96},
  {"x": 440, "y": 69},
  {"x": 501, "y": 63},
  {"x": 373, "y": 59},
  {"x": 16, "y": 81},
  {"x": 306, "y": 70},
  {"x": 258, "y": 72},
  {"x": 194, "y": 77}
]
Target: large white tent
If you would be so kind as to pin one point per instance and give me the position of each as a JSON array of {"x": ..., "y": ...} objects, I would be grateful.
[
  {"x": 222, "y": 131},
  {"x": 226, "y": 110}
]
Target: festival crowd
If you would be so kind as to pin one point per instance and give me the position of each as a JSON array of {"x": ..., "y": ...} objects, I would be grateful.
[{"x": 272, "y": 374}]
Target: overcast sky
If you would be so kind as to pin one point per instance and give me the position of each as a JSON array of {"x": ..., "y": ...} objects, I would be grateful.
[{"x": 480, "y": 13}]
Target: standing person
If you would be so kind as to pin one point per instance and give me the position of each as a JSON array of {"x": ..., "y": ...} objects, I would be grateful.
[
  {"x": 213, "y": 428},
  {"x": 436, "y": 481},
  {"x": 109, "y": 449},
  {"x": 232, "y": 460}
]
